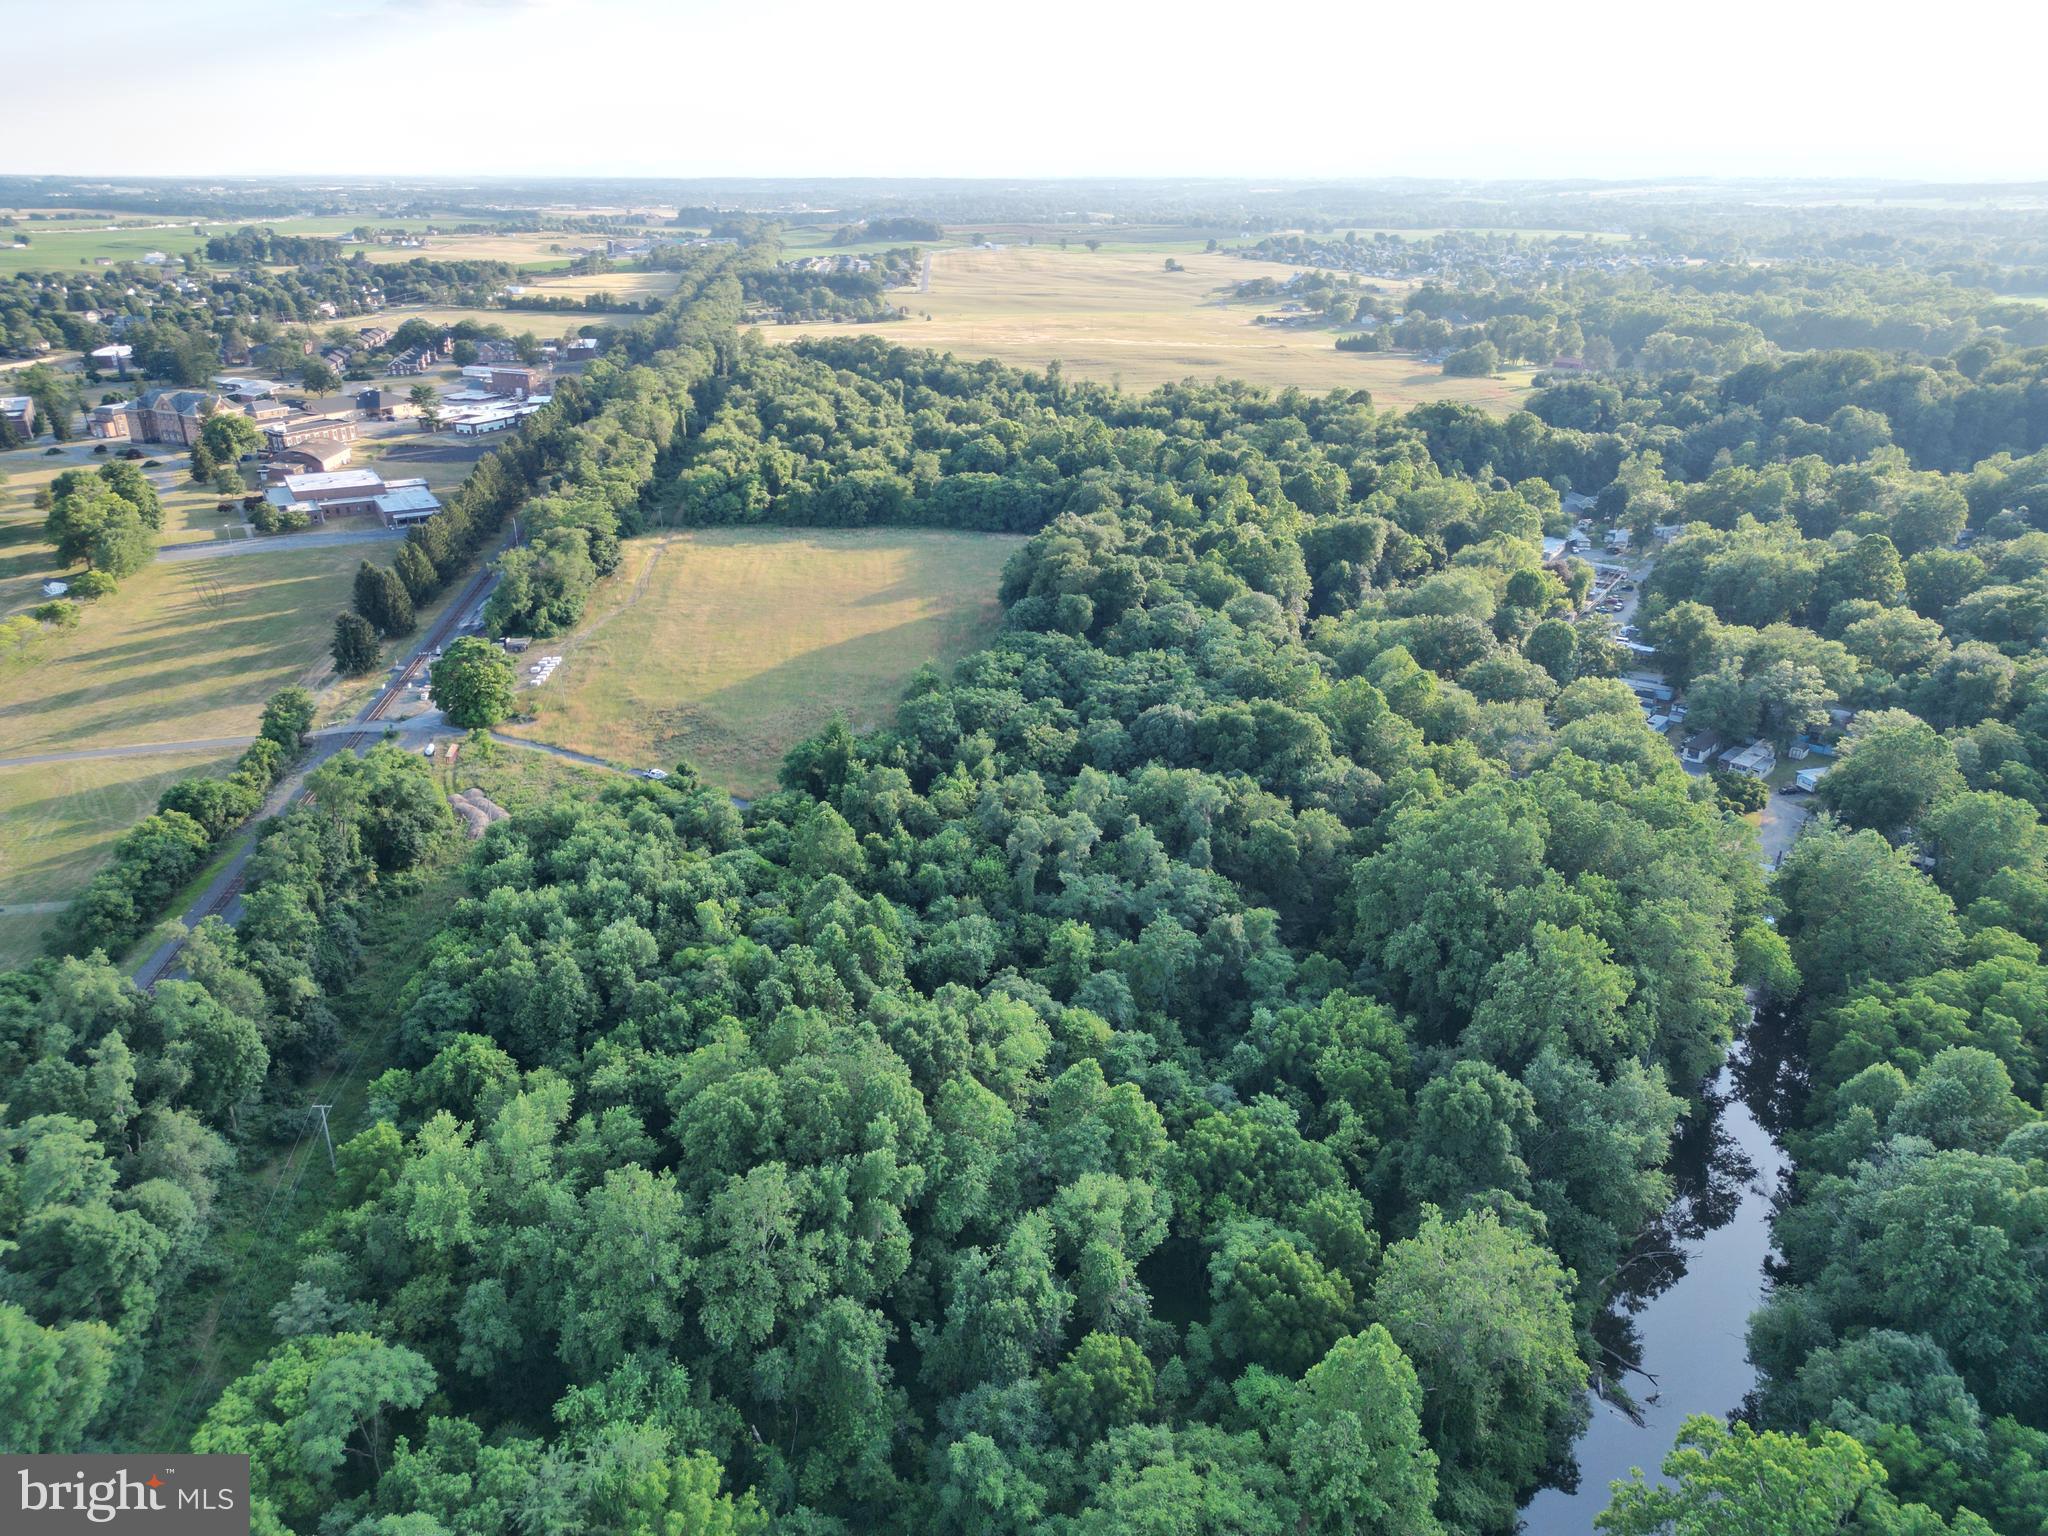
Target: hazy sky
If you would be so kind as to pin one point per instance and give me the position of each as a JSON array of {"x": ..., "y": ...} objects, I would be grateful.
[{"x": 1052, "y": 88}]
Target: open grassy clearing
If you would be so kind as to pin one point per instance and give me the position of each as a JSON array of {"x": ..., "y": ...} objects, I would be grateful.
[
  {"x": 513, "y": 321},
  {"x": 1107, "y": 315},
  {"x": 62, "y": 818},
  {"x": 521, "y": 248},
  {"x": 186, "y": 650},
  {"x": 627, "y": 285},
  {"x": 117, "y": 237},
  {"x": 23, "y": 936},
  {"x": 192, "y": 513},
  {"x": 728, "y": 646},
  {"x": 124, "y": 237},
  {"x": 519, "y": 780}
]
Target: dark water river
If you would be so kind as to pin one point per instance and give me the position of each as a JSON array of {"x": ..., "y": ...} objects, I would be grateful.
[{"x": 1680, "y": 1324}]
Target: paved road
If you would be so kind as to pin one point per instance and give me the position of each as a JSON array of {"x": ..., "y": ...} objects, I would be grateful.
[
  {"x": 223, "y": 894},
  {"x": 137, "y": 749},
  {"x": 268, "y": 545},
  {"x": 1784, "y": 818}
]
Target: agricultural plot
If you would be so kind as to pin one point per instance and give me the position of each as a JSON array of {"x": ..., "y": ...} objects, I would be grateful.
[
  {"x": 64, "y": 244},
  {"x": 620, "y": 285},
  {"x": 729, "y": 646},
  {"x": 1123, "y": 316}
]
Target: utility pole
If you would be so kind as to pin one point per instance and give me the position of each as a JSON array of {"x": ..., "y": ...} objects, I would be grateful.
[{"x": 321, "y": 1111}]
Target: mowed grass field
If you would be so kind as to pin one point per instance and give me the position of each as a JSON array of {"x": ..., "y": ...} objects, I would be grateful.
[
  {"x": 728, "y": 646},
  {"x": 58, "y": 244},
  {"x": 192, "y": 513},
  {"x": 62, "y": 819},
  {"x": 186, "y": 650},
  {"x": 1122, "y": 316},
  {"x": 629, "y": 285},
  {"x": 63, "y": 243}
]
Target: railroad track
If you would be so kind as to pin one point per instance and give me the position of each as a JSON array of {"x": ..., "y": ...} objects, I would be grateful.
[{"x": 437, "y": 639}]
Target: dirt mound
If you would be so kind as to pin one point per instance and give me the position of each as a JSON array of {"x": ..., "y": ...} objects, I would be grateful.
[{"x": 477, "y": 810}]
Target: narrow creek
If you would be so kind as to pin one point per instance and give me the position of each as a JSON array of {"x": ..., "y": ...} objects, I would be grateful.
[{"x": 1680, "y": 1322}]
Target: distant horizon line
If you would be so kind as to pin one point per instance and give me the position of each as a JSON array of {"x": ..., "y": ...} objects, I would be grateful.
[{"x": 1276, "y": 179}]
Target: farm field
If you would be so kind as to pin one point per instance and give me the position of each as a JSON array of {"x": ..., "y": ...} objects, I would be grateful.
[
  {"x": 62, "y": 818},
  {"x": 728, "y": 646},
  {"x": 631, "y": 285},
  {"x": 186, "y": 650},
  {"x": 1114, "y": 316},
  {"x": 55, "y": 245},
  {"x": 65, "y": 244}
]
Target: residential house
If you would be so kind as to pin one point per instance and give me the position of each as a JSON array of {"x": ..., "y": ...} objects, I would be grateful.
[
  {"x": 1649, "y": 686},
  {"x": 413, "y": 360},
  {"x": 1699, "y": 749},
  {"x": 1757, "y": 759},
  {"x": 373, "y": 335}
]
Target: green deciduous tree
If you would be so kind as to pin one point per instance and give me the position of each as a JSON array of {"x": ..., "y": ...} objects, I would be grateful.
[{"x": 472, "y": 683}]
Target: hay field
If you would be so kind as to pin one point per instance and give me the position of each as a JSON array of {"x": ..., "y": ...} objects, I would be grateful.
[
  {"x": 727, "y": 646},
  {"x": 1121, "y": 316},
  {"x": 631, "y": 285}
]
